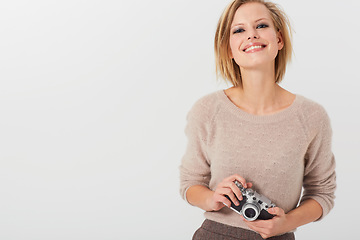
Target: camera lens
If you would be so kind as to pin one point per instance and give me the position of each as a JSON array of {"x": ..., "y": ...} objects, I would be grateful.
[{"x": 250, "y": 213}]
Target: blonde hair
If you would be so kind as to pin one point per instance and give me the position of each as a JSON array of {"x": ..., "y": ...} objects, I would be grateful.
[{"x": 226, "y": 66}]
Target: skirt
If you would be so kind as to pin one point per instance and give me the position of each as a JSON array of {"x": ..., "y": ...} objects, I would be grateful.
[{"x": 218, "y": 231}]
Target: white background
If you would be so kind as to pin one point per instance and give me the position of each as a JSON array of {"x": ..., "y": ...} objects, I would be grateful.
[{"x": 93, "y": 100}]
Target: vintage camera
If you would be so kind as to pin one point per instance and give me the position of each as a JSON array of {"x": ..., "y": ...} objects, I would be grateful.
[{"x": 253, "y": 206}]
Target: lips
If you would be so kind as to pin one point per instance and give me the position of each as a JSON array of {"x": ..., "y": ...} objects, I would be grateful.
[{"x": 253, "y": 46}]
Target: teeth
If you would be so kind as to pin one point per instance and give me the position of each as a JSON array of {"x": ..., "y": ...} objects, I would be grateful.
[{"x": 253, "y": 47}]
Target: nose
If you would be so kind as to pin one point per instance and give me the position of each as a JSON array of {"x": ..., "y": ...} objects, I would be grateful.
[{"x": 253, "y": 34}]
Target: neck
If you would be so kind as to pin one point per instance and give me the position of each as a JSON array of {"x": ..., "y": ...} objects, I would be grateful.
[{"x": 259, "y": 94}]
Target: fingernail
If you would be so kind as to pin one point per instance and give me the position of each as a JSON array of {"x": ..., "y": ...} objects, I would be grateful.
[{"x": 237, "y": 203}]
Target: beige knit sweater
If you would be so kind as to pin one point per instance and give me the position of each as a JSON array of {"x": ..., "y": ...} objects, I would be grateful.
[{"x": 279, "y": 153}]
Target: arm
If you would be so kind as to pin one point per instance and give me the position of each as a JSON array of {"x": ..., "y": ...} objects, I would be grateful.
[
  {"x": 319, "y": 184},
  {"x": 199, "y": 196},
  {"x": 195, "y": 166},
  {"x": 209, "y": 200},
  {"x": 309, "y": 211},
  {"x": 319, "y": 174}
]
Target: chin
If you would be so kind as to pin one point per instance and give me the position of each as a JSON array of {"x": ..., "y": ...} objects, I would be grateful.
[{"x": 256, "y": 63}]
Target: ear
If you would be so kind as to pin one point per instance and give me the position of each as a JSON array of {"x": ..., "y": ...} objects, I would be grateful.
[{"x": 280, "y": 40}]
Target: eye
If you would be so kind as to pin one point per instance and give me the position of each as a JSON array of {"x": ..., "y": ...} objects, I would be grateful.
[
  {"x": 240, "y": 30},
  {"x": 262, "y": 25}
]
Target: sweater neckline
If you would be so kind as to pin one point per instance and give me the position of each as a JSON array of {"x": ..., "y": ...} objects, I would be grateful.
[{"x": 289, "y": 111}]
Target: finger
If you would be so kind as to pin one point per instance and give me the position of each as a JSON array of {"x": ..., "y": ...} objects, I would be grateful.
[
  {"x": 264, "y": 236},
  {"x": 237, "y": 191},
  {"x": 229, "y": 192},
  {"x": 255, "y": 227},
  {"x": 263, "y": 227},
  {"x": 239, "y": 178},
  {"x": 223, "y": 200},
  {"x": 276, "y": 211},
  {"x": 260, "y": 224},
  {"x": 263, "y": 231}
]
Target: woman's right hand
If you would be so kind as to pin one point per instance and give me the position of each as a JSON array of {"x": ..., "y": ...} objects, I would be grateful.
[{"x": 227, "y": 187}]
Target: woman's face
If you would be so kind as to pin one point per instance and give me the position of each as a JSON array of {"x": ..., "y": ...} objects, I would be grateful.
[{"x": 254, "y": 40}]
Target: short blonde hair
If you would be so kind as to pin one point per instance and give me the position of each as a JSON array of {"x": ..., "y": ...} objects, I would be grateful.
[{"x": 226, "y": 66}]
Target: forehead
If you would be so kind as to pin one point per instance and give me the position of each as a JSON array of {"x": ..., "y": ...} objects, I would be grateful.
[{"x": 250, "y": 12}]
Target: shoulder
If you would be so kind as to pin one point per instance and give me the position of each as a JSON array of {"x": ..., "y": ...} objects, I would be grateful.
[
  {"x": 208, "y": 100},
  {"x": 311, "y": 110},
  {"x": 315, "y": 116},
  {"x": 205, "y": 107}
]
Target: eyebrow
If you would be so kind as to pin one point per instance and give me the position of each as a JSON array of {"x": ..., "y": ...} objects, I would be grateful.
[{"x": 260, "y": 19}]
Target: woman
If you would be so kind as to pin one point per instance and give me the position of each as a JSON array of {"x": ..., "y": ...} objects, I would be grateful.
[{"x": 256, "y": 133}]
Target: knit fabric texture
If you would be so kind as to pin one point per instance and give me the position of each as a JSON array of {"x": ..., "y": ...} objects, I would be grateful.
[{"x": 281, "y": 153}]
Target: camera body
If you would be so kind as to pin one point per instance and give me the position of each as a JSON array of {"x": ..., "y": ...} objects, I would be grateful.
[{"x": 253, "y": 206}]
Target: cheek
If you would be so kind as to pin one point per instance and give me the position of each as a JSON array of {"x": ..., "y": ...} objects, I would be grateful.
[
  {"x": 234, "y": 45},
  {"x": 272, "y": 42}
]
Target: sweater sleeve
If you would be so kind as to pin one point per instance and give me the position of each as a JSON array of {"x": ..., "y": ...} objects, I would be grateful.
[
  {"x": 319, "y": 176},
  {"x": 195, "y": 166}
]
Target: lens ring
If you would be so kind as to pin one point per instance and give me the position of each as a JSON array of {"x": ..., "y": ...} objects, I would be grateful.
[{"x": 250, "y": 212}]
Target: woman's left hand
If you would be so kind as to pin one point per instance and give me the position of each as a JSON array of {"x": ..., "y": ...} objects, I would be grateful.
[{"x": 272, "y": 227}]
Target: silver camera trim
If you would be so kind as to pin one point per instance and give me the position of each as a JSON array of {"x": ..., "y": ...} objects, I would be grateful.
[{"x": 254, "y": 200}]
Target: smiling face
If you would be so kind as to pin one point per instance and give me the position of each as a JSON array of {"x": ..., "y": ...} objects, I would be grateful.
[{"x": 254, "y": 41}]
